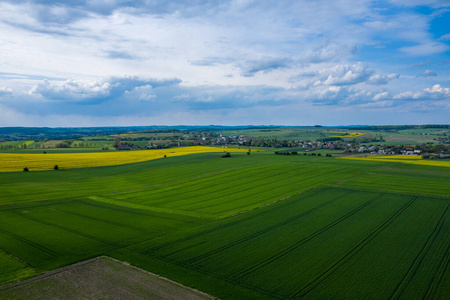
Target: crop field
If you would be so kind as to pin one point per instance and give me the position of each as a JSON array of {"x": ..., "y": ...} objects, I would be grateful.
[
  {"x": 12, "y": 162},
  {"x": 258, "y": 226},
  {"x": 405, "y": 159}
]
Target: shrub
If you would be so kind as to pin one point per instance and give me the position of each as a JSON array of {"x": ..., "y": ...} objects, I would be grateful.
[
  {"x": 56, "y": 168},
  {"x": 25, "y": 169},
  {"x": 227, "y": 154}
]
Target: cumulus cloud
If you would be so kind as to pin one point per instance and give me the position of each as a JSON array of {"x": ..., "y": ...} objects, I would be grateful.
[
  {"x": 437, "y": 92},
  {"x": 381, "y": 96},
  {"x": 93, "y": 92},
  {"x": 427, "y": 73},
  {"x": 342, "y": 96},
  {"x": 346, "y": 74},
  {"x": 5, "y": 91},
  {"x": 378, "y": 79}
]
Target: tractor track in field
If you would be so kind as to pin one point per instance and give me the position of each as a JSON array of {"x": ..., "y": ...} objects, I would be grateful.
[
  {"x": 74, "y": 231},
  {"x": 294, "y": 246},
  {"x": 226, "y": 195},
  {"x": 102, "y": 220},
  {"x": 17, "y": 259},
  {"x": 219, "y": 185},
  {"x": 415, "y": 265},
  {"x": 172, "y": 182},
  {"x": 270, "y": 228},
  {"x": 358, "y": 248},
  {"x": 29, "y": 243},
  {"x": 316, "y": 175},
  {"x": 434, "y": 285}
]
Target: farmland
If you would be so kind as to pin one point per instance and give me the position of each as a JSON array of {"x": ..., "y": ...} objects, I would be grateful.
[
  {"x": 43, "y": 161},
  {"x": 258, "y": 226}
]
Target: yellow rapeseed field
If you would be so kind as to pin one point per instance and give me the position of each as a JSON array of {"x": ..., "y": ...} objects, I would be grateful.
[
  {"x": 350, "y": 134},
  {"x": 11, "y": 162},
  {"x": 406, "y": 159}
]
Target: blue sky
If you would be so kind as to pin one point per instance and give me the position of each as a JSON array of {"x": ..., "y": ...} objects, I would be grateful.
[{"x": 227, "y": 62}]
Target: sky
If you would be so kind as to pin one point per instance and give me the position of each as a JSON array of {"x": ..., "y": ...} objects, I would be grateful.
[{"x": 77, "y": 63}]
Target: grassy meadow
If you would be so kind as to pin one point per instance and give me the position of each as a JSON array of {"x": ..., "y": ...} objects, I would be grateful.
[{"x": 258, "y": 226}]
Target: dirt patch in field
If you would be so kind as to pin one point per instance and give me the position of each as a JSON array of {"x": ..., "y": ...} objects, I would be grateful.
[{"x": 99, "y": 278}]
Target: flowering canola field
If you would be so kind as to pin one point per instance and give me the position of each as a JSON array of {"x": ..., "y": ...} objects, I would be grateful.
[
  {"x": 12, "y": 162},
  {"x": 350, "y": 134},
  {"x": 406, "y": 159}
]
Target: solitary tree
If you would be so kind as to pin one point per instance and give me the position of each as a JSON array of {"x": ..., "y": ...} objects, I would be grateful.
[{"x": 56, "y": 168}]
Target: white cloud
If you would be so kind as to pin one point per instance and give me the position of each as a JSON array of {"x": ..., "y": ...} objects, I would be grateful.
[
  {"x": 71, "y": 89},
  {"x": 346, "y": 74},
  {"x": 381, "y": 96},
  {"x": 378, "y": 79},
  {"x": 5, "y": 91},
  {"x": 437, "y": 92}
]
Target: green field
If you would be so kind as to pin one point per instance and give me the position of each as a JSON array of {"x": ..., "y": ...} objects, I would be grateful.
[{"x": 259, "y": 226}]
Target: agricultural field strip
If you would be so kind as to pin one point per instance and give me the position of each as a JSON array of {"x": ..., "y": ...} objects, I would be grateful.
[
  {"x": 173, "y": 182},
  {"x": 194, "y": 182},
  {"x": 420, "y": 257},
  {"x": 65, "y": 228},
  {"x": 16, "y": 259},
  {"x": 275, "y": 257},
  {"x": 218, "y": 178},
  {"x": 16, "y": 162},
  {"x": 438, "y": 276},
  {"x": 234, "y": 280},
  {"x": 284, "y": 190},
  {"x": 282, "y": 194},
  {"x": 396, "y": 183},
  {"x": 136, "y": 239},
  {"x": 5, "y": 287},
  {"x": 232, "y": 222},
  {"x": 359, "y": 247},
  {"x": 227, "y": 192},
  {"x": 114, "y": 184},
  {"x": 394, "y": 250},
  {"x": 28, "y": 242},
  {"x": 260, "y": 232},
  {"x": 234, "y": 189}
]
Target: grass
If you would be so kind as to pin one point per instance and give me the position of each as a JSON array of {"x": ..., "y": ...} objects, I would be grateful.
[{"x": 259, "y": 226}]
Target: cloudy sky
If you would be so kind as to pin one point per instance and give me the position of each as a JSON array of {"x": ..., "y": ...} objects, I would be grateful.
[{"x": 224, "y": 62}]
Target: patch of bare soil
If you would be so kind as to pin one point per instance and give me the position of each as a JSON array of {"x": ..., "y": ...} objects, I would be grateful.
[{"x": 99, "y": 278}]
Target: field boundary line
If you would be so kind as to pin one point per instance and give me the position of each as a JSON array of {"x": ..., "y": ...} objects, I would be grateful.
[
  {"x": 358, "y": 248},
  {"x": 446, "y": 198},
  {"x": 103, "y": 241},
  {"x": 101, "y": 220},
  {"x": 28, "y": 242},
  {"x": 442, "y": 269},
  {"x": 172, "y": 182},
  {"x": 412, "y": 270},
  {"x": 18, "y": 259},
  {"x": 52, "y": 273},
  {"x": 220, "y": 277},
  {"x": 130, "y": 205},
  {"x": 208, "y": 193},
  {"x": 246, "y": 238},
  {"x": 14, "y": 284},
  {"x": 304, "y": 240}
]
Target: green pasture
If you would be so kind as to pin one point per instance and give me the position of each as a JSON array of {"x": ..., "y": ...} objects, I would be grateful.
[{"x": 259, "y": 226}]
